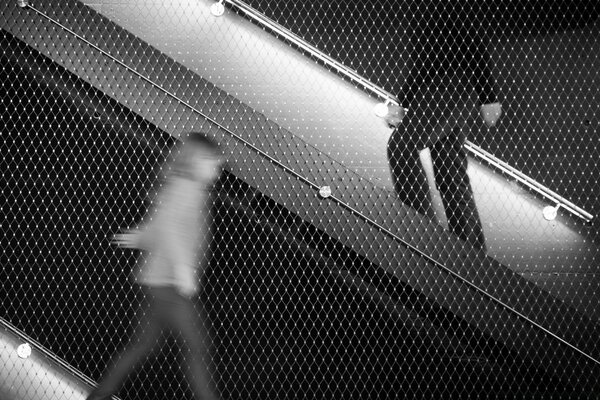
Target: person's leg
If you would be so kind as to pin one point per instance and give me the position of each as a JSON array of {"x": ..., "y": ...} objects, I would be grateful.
[
  {"x": 183, "y": 319},
  {"x": 450, "y": 169},
  {"x": 408, "y": 176},
  {"x": 143, "y": 341}
]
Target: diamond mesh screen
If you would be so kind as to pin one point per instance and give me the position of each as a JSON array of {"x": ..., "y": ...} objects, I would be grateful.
[{"x": 442, "y": 258}]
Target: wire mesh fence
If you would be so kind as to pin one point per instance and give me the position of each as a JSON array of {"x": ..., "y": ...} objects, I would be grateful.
[{"x": 439, "y": 257}]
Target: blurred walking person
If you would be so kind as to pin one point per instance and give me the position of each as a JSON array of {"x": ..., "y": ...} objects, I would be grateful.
[{"x": 174, "y": 241}]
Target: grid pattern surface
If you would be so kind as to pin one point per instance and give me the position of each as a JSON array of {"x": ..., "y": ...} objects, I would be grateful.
[{"x": 348, "y": 259}]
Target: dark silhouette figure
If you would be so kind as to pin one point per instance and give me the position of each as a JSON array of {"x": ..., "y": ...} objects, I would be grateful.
[{"x": 448, "y": 62}]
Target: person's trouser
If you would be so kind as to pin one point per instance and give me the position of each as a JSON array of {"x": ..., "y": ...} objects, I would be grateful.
[
  {"x": 450, "y": 170},
  {"x": 167, "y": 311}
]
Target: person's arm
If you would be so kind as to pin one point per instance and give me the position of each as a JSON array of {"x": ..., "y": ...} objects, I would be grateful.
[
  {"x": 484, "y": 83},
  {"x": 182, "y": 259},
  {"x": 396, "y": 112},
  {"x": 481, "y": 74},
  {"x": 141, "y": 237}
]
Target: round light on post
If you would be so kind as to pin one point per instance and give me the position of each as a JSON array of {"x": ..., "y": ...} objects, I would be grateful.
[
  {"x": 325, "y": 191},
  {"x": 23, "y": 3},
  {"x": 217, "y": 9},
  {"x": 24, "y": 350},
  {"x": 550, "y": 212}
]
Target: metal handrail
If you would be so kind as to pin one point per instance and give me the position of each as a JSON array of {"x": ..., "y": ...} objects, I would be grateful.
[
  {"x": 47, "y": 353},
  {"x": 312, "y": 50},
  {"x": 530, "y": 182},
  {"x": 340, "y": 202}
]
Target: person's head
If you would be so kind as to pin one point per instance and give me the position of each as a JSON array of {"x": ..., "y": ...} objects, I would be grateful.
[{"x": 200, "y": 158}]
